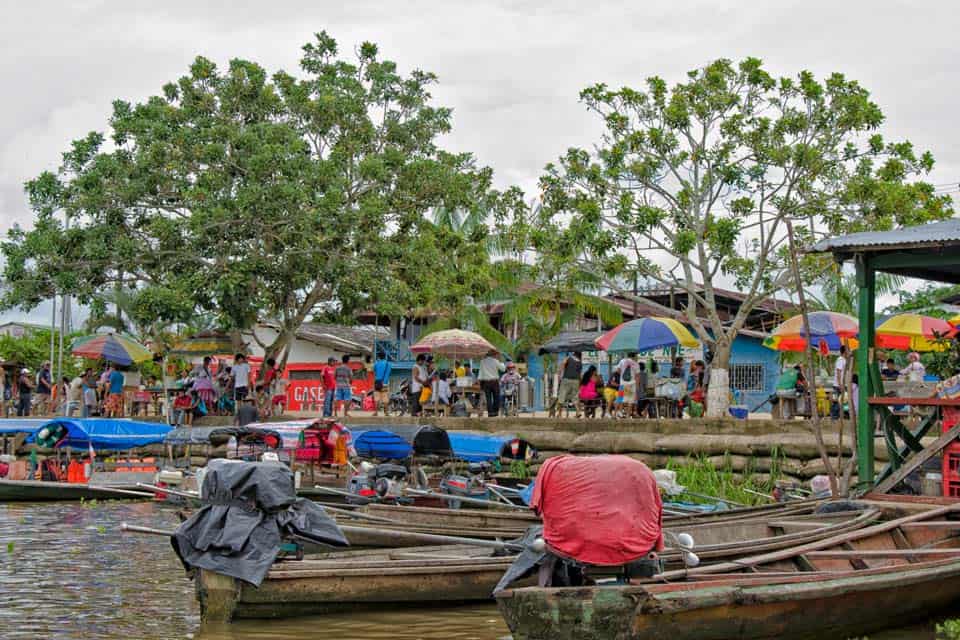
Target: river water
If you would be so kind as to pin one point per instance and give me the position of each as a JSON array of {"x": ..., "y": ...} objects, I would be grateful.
[{"x": 67, "y": 572}]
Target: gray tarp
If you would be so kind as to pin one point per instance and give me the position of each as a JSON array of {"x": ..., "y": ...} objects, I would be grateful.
[{"x": 249, "y": 508}]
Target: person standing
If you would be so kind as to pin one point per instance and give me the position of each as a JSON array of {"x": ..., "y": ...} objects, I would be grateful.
[
  {"x": 114, "y": 405},
  {"x": 839, "y": 366},
  {"x": 343, "y": 376},
  {"x": 75, "y": 394},
  {"x": 418, "y": 378},
  {"x": 490, "y": 370},
  {"x": 241, "y": 377},
  {"x": 629, "y": 381},
  {"x": 247, "y": 413},
  {"x": 915, "y": 371},
  {"x": 381, "y": 385},
  {"x": 203, "y": 382},
  {"x": 569, "y": 392},
  {"x": 44, "y": 389},
  {"x": 24, "y": 393},
  {"x": 329, "y": 386}
]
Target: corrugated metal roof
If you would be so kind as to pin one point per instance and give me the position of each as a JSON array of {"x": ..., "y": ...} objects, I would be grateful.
[{"x": 945, "y": 232}]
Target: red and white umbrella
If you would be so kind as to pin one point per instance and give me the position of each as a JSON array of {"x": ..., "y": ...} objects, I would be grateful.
[{"x": 454, "y": 343}]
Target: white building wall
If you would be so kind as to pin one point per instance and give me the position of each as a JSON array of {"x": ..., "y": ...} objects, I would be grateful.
[{"x": 301, "y": 351}]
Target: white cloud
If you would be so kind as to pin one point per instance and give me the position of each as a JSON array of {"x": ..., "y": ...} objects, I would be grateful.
[{"x": 510, "y": 70}]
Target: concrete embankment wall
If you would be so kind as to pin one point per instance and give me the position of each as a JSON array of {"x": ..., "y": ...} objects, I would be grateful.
[{"x": 757, "y": 446}]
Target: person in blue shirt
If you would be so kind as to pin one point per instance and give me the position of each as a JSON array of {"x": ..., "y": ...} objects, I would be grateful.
[
  {"x": 114, "y": 404},
  {"x": 381, "y": 385}
]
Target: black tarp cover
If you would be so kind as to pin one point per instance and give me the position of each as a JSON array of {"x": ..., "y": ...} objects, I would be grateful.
[
  {"x": 248, "y": 509},
  {"x": 570, "y": 341},
  {"x": 426, "y": 439}
]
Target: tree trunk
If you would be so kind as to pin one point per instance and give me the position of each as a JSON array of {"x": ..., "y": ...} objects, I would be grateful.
[{"x": 718, "y": 389}]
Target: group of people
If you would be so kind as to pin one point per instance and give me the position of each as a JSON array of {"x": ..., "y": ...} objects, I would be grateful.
[
  {"x": 629, "y": 389},
  {"x": 499, "y": 384}
]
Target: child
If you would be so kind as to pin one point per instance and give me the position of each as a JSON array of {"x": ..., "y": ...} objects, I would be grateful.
[
  {"x": 441, "y": 389},
  {"x": 610, "y": 394}
]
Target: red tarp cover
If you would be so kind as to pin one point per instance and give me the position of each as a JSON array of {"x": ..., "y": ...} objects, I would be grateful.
[{"x": 602, "y": 510}]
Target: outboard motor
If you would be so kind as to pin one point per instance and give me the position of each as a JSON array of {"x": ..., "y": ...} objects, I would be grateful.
[
  {"x": 378, "y": 481},
  {"x": 471, "y": 484}
]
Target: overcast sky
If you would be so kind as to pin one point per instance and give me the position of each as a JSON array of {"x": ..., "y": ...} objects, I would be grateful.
[{"x": 510, "y": 70}]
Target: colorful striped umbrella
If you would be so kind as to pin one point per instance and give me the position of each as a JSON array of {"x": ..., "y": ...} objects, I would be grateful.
[
  {"x": 913, "y": 332},
  {"x": 454, "y": 343},
  {"x": 112, "y": 347},
  {"x": 644, "y": 334},
  {"x": 827, "y": 328},
  {"x": 955, "y": 320}
]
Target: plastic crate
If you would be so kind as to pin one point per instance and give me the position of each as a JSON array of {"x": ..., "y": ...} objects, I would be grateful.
[
  {"x": 951, "y": 416},
  {"x": 951, "y": 470}
]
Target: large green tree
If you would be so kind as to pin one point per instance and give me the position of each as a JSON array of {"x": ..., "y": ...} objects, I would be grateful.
[
  {"x": 250, "y": 195},
  {"x": 692, "y": 185}
]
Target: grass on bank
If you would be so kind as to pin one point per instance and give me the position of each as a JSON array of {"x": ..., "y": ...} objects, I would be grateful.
[{"x": 700, "y": 475}]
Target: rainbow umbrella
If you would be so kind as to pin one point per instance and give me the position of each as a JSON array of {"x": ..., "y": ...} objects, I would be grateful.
[
  {"x": 644, "y": 334},
  {"x": 955, "y": 320},
  {"x": 826, "y": 328},
  {"x": 913, "y": 332},
  {"x": 112, "y": 347},
  {"x": 454, "y": 343}
]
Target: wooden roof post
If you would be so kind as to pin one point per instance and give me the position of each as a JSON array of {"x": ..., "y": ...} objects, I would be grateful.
[{"x": 866, "y": 284}]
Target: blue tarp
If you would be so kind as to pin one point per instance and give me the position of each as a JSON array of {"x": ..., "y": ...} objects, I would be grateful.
[
  {"x": 476, "y": 447},
  {"x": 21, "y": 425},
  {"x": 106, "y": 433},
  {"x": 376, "y": 443}
]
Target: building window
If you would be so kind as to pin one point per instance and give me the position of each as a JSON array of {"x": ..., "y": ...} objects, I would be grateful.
[{"x": 747, "y": 377}]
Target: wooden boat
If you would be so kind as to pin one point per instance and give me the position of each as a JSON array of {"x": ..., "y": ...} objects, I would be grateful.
[
  {"x": 848, "y": 584},
  {"x": 47, "y": 491},
  {"x": 427, "y": 575}
]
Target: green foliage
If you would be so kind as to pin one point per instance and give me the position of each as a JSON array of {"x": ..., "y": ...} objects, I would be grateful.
[
  {"x": 927, "y": 300},
  {"x": 519, "y": 470},
  {"x": 949, "y": 629},
  {"x": 699, "y": 179},
  {"x": 32, "y": 349},
  {"x": 243, "y": 195},
  {"x": 698, "y": 474}
]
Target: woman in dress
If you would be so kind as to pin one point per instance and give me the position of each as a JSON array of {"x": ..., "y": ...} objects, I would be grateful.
[{"x": 203, "y": 382}]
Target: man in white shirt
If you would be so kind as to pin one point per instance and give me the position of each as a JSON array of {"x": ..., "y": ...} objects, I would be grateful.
[
  {"x": 629, "y": 374},
  {"x": 490, "y": 370},
  {"x": 241, "y": 377},
  {"x": 839, "y": 367}
]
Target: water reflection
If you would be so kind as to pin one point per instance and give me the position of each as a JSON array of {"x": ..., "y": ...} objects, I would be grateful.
[
  {"x": 458, "y": 623},
  {"x": 66, "y": 571}
]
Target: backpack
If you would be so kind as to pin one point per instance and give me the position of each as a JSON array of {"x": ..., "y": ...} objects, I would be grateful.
[{"x": 627, "y": 375}]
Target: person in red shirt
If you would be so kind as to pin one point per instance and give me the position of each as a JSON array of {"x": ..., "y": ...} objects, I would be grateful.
[{"x": 329, "y": 386}]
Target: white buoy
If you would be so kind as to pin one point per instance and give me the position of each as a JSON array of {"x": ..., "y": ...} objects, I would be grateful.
[
  {"x": 685, "y": 541},
  {"x": 538, "y": 545},
  {"x": 690, "y": 559}
]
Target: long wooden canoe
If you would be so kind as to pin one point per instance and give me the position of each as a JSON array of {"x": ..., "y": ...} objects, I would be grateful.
[
  {"x": 441, "y": 574},
  {"x": 849, "y": 584},
  {"x": 45, "y": 491}
]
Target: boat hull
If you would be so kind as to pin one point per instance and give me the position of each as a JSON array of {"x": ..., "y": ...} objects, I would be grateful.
[
  {"x": 44, "y": 491},
  {"x": 848, "y": 604}
]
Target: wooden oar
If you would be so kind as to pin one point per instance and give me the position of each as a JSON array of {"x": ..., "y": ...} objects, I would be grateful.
[
  {"x": 427, "y": 538},
  {"x": 173, "y": 492},
  {"x": 464, "y": 499},
  {"x": 122, "y": 492},
  {"x": 132, "y": 528}
]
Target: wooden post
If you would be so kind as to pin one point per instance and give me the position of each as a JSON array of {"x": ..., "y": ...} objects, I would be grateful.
[
  {"x": 218, "y": 595},
  {"x": 866, "y": 283},
  {"x": 811, "y": 372}
]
